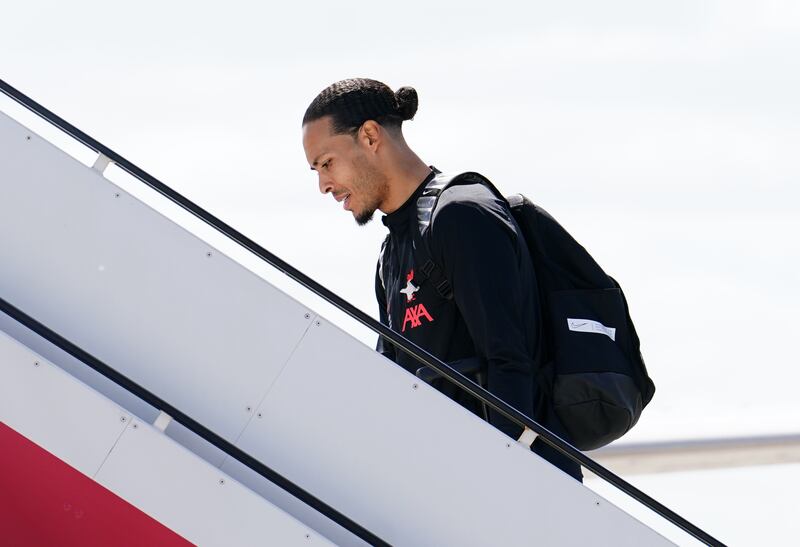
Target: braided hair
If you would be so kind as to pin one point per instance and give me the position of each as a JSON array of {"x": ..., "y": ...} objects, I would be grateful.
[{"x": 352, "y": 102}]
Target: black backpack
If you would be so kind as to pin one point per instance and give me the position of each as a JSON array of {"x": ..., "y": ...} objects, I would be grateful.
[{"x": 590, "y": 366}]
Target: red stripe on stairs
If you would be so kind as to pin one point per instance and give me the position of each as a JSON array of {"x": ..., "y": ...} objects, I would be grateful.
[{"x": 44, "y": 501}]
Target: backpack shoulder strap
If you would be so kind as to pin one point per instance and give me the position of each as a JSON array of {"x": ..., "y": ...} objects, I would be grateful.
[
  {"x": 426, "y": 269},
  {"x": 426, "y": 203}
]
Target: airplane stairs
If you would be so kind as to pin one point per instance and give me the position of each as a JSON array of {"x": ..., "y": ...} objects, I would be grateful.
[{"x": 153, "y": 391}]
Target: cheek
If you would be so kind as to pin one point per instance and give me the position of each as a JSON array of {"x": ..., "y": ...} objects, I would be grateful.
[
  {"x": 361, "y": 177},
  {"x": 342, "y": 173},
  {"x": 362, "y": 190}
]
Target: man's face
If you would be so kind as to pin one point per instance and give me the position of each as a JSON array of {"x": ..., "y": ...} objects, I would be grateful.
[{"x": 345, "y": 168}]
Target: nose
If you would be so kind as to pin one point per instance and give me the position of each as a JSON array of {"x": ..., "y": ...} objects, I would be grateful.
[{"x": 325, "y": 184}]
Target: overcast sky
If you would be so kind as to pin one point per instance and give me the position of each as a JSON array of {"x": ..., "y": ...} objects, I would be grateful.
[{"x": 663, "y": 135}]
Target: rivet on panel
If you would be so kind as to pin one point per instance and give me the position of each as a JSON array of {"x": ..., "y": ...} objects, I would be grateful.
[
  {"x": 36, "y": 364},
  {"x": 317, "y": 323},
  {"x": 27, "y": 137},
  {"x": 222, "y": 481},
  {"x": 508, "y": 445},
  {"x": 136, "y": 426},
  {"x": 259, "y": 415},
  {"x": 122, "y": 419},
  {"x": 307, "y": 316},
  {"x": 249, "y": 408},
  {"x": 414, "y": 386},
  {"x": 116, "y": 195},
  {"x": 208, "y": 254}
]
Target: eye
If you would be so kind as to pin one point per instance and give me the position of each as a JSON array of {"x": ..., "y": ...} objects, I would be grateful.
[{"x": 326, "y": 165}]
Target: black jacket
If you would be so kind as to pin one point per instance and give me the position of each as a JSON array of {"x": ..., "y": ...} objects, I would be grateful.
[{"x": 494, "y": 311}]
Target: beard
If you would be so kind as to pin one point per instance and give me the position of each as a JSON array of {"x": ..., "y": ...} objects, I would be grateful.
[
  {"x": 372, "y": 186},
  {"x": 364, "y": 217}
]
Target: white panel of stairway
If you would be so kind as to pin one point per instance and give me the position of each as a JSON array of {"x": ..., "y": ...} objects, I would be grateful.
[
  {"x": 134, "y": 460},
  {"x": 152, "y": 300}
]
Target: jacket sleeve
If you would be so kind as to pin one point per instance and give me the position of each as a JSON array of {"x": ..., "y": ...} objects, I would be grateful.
[{"x": 479, "y": 254}]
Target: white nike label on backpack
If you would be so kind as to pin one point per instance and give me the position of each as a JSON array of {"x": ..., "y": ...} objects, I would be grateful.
[{"x": 587, "y": 325}]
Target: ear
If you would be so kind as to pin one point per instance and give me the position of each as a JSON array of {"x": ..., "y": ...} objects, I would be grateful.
[{"x": 371, "y": 134}]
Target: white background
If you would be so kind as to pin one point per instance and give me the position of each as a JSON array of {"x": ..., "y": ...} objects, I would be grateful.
[{"x": 663, "y": 135}]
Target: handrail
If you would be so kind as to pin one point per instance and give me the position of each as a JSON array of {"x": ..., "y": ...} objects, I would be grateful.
[
  {"x": 193, "y": 425},
  {"x": 398, "y": 340}
]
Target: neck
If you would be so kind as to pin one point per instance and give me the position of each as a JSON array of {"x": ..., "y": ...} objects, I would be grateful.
[{"x": 408, "y": 175}]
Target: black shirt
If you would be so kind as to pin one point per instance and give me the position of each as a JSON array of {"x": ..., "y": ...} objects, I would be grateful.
[{"x": 493, "y": 314}]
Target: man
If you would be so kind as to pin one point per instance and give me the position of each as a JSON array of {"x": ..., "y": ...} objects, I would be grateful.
[{"x": 353, "y": 139}]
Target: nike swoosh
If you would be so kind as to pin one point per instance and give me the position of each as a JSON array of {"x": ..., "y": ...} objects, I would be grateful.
[{"x": 576, "y": 325}]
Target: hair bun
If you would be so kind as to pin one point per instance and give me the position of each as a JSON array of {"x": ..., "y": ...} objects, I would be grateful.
[{"x": 407, "y": 102}]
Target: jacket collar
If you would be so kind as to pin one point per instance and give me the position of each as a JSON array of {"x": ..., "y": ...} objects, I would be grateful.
[{"x": 400, "y": 216}]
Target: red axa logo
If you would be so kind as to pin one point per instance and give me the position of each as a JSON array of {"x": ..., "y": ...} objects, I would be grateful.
[{"x": 415, "y": 315}]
